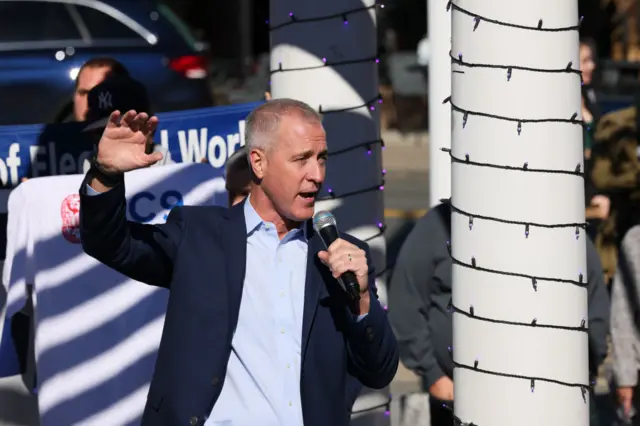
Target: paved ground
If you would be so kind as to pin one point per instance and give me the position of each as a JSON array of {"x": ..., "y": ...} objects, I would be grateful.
[{"x": 406, "y": 197}]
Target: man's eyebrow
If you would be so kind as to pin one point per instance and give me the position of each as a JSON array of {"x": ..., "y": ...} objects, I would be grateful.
[{"x": 303, "y": 154}]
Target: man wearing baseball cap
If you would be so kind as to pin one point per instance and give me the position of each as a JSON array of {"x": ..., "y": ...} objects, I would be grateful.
[{"x": 122, "y": 93}]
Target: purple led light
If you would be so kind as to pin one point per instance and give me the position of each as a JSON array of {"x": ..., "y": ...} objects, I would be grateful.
[
  {"x": 368, "y": 152},
  {"x": 381, "y": 188},
  {"x": 329, "y": 190}
]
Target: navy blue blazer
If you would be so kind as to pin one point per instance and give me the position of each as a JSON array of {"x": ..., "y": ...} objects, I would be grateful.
[{"x": 200, "y": 255}]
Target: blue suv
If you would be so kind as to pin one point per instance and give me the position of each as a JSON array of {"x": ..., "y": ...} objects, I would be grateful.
[{"x": 43, "y": 43}]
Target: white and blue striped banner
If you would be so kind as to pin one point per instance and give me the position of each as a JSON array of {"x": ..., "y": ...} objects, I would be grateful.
[{"x": 97, "y": 331}]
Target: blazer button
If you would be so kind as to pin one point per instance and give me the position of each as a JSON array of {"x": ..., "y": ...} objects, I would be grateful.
[
  {"x": 193, "y": 421},
  {"x": 215, "y": 381}
]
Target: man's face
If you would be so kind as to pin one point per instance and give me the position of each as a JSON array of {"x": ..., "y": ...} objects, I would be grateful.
[
  {"x": 293, "y": 167},
  {"x": 87, "y": 80}
]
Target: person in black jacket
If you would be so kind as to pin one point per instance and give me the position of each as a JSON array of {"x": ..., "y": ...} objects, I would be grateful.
[{"x": 419, "y": 296}]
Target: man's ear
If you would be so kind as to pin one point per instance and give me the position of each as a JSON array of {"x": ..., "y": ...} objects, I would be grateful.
[{"x": 258, "y": 160}]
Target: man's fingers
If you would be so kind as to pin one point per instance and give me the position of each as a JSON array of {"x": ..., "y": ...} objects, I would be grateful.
[
  {"x": 139, "y": 122},
  {"x": 128, "y": 118},
  {"x": 114, "y": 118},
  {"x": 324, "y": 257},
  {"x": 153, "y": 158},
  {"x": 152, "y": 125}
]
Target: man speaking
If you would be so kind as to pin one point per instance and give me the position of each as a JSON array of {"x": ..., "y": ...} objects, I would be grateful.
[{"x": 258, "y": 330}]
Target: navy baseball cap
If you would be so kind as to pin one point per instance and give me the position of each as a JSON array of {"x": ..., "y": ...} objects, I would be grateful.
[{"x": 121, "y": 93}]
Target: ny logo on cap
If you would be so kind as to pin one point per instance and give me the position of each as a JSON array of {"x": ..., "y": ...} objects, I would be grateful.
[{"x": 104, "y": 100}]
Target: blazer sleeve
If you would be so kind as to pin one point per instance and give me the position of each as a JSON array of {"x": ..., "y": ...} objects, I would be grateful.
[
  {"x": 142, "y": 252},
  {"x": 371, "y": 345}
]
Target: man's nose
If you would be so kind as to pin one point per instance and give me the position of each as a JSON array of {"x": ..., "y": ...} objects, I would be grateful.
[{"x": 316, "y": 173}]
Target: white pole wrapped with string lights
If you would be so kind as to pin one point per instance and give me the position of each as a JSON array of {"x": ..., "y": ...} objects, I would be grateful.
[
  {"x": 325, "y": 54},
  {"x": 518, "y": 239}
]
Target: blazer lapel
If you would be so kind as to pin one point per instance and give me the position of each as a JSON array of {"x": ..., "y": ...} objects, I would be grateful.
[
  {"x": 235, "y": 237},
  {"x": 314, "y": 288}
]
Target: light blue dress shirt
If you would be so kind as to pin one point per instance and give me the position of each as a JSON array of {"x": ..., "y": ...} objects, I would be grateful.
[{"x": 262, "y": 385}]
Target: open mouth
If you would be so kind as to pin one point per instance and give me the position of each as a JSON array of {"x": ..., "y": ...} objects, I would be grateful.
[{"x": 308, "y": 196}]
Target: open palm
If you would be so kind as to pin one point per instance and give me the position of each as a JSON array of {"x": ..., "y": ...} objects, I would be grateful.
[{"x": 123, "y": 145}]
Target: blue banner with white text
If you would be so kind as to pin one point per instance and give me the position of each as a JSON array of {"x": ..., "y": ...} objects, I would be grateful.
[{"x": 57, "y": 149}]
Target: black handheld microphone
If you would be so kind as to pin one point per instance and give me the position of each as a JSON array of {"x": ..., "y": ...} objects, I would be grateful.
[{"x": 324, "y": 223}]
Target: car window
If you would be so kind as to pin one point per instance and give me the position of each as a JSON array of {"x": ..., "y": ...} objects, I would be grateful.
[
  {"x": 35, "y": 21},
  {"x": 102, "y": 26},
  {"x": 181, "y": 28}
]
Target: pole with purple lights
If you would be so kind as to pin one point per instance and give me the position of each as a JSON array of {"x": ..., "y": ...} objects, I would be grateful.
[{"x": 325, "y": 54}]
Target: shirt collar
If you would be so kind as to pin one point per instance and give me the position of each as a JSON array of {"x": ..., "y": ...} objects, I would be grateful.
[{"x": 254, "y": 221}]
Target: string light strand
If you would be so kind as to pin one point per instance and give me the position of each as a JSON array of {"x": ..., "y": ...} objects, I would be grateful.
[
  {"x": 327, "y": 63},
  {"x": 531, "y": 379},
  {"x": 293, "y": 19},
  {"x": 332, "y": 194},
  {"x": 466, "y": 113},
  {"x": 367, "y": 145},
  {"x": 527, "y": 225},
  {"x": 533, "y": 278},
  {"x": 539, "y": 26},
  {"x": 371, "y": 105},
  {"x": 385, "y": 405},
  {"x": 524, "y": 168},
  {"x": 510, "y": 68},
  {"x": 534, "y": 323},
  {"x": 381, "y": 228}
]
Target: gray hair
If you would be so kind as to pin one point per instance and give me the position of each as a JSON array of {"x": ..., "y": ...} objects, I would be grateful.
[{"x": 264, "y": 121}]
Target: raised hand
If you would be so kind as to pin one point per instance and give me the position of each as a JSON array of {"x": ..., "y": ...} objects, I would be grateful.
[{"x": 123, "y": 145}]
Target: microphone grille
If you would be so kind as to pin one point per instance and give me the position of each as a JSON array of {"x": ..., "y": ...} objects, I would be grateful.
[{"x": 322, "y": 219}]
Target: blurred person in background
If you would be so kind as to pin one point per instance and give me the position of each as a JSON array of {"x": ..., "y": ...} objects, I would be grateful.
[
  {"x": 625, "y": 323},
  {"x": 590, "y": 107},
  {"x": 614, "y": 171},
  {"x": 121, "y": 93},
  {"x": 597, "y": 205},
  {"x": 419, "y": 296},
  {"x": 238, "y": 176},
  {"x": 92, "y": 73}
]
